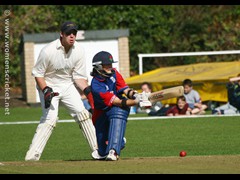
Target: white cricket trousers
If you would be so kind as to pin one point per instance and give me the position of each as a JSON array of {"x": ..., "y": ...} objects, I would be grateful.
[
  {"x": 70, "y": 98},
  {"x": 227, "y": 109}
]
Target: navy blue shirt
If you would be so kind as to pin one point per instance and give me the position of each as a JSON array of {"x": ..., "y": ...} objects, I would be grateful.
[
  {"x": 234, "y": 94},
  {"x": 104, "y": 90}
]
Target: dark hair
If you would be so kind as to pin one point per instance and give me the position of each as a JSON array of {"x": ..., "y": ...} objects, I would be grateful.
[
  {"x": 94, "y": 72},
  {"x": 187, "y": 82},
  {"x": 182, "y": 98},
  {"x": 148, "y": 84}
]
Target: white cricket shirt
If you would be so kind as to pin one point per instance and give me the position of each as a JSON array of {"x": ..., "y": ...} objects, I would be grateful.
[{"x": 57, "y": 67}]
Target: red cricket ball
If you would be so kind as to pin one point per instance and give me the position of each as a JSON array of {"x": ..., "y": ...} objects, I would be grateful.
[{"x": 182, "y": 153}]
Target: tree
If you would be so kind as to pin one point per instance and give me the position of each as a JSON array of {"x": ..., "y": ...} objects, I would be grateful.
[{"x": 153, "y": 29}]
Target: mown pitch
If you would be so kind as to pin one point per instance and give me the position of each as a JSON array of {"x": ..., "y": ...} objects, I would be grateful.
[{"x": 227, "y": 164}]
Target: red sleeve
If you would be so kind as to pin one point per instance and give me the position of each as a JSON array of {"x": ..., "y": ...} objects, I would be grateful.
[
  {"x": 108, "y": 98},
  {"x": 173, "y": 110},
  {"x": 120, "y": 84},
  {"x": 90, "y": 100}
]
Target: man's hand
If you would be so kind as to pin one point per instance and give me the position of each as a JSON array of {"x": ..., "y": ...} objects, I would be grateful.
[
  {"x": 142, "y": 100},
  {"x": 198, "y": 105},
  {"x": 48, "y": 95},
  {"x": 145, "y": 103}
]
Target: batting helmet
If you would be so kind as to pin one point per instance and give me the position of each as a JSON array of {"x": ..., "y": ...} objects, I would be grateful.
[{"x": 102, "y": 58}]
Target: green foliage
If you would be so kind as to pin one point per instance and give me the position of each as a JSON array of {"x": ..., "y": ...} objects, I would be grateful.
[{"x": 153, "y": 29}]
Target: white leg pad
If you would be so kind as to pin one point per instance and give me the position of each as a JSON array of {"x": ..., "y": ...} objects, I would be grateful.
[
  {"x": 85, "y": 123},
  {"x": 41, "y": 136}
]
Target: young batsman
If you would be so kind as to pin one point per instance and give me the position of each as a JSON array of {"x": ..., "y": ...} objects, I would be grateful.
[{"x": 112, "y": 101}]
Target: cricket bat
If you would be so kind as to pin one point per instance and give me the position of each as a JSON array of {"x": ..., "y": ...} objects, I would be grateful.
[
  {"x": 166, "y": 94},
  {"x": 235, "y": 79}
]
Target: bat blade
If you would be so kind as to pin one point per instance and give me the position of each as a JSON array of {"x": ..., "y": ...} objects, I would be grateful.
[{"x": 166, "y": 94}]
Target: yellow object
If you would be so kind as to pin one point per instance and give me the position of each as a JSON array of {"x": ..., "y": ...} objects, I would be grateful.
[{"x": 209, "y": 79}]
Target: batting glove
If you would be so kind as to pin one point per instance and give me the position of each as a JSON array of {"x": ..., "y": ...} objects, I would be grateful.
[
  {"x": 142, "y": 100},
  {"x": 145, "y": 103},
  {"x": 48, "y": 95}
]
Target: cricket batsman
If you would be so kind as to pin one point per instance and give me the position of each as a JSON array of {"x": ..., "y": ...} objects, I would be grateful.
[{"x": 112, "y": 101}]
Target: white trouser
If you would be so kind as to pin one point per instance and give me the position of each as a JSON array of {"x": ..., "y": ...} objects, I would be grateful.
[
  {"x": 71, "y": 98},
  {"x": 227, "y": 109}
]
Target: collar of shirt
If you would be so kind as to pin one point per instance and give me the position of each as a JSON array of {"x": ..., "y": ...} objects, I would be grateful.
[{"x": 100, "y": 78}]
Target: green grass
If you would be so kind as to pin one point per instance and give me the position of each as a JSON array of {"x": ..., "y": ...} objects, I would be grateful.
[
  {"x": 197, "y": 136},
  {"x": 29, "y": 114},
  {"x": 160, "y": 138}
]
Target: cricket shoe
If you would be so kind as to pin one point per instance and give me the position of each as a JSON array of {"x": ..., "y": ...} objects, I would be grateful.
[
  {"x": 112, "y": 156},
  {"x": 97, "y": 156}
]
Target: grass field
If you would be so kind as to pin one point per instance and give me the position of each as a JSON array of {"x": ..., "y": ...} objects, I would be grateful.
[{"x": 212, "y": 145}]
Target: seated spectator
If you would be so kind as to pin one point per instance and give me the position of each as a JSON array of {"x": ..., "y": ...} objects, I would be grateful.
[
  {"x": 193, "y": 98},
  {"x": 181, "y": 108},
  {"x": 233, "y": 104},
  {"x": 160, "y": 112},
  {"x": 147, "y": 87}
]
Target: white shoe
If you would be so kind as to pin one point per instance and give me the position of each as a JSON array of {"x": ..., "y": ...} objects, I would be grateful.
[
  {"x": 112, "y": 156},
  {"x": 95, "y": 155}
]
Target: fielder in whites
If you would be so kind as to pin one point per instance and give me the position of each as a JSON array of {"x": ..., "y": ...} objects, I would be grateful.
[{"x": 59, "y": 68}]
